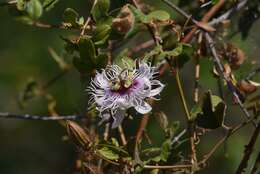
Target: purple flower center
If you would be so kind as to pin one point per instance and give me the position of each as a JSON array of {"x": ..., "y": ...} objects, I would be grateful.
[{"x": 125, "y": 89}]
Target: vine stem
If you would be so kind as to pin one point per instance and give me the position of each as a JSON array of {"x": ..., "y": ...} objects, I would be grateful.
[
  {"x": 205, "y": 19},
  {"x": 179, "y": 10},
  {"x": 228, "y": 13},
  {"x": 37, "y": 117},
  {"x": 256, "y": 165},
  {"x": 190, "y": 124},
  {"x": 197, "y": 77},
  {"x": 231, "y": 131},
  {"x": 183, "y": 166},
  {"x": 122, "y": 135},
  {"x": 84, "y": 28},
  {"x": 248, "y": 150},
  {"x": 180, "y": 90},
  {"x": 141, "y": 128}
]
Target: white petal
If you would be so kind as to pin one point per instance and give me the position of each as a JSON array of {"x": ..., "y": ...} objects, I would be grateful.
[
  {"x": 159, "y": 87},
  {"x": 118, "y": 118},
  {"x": 122, "y": 102},
  {"x": 105, "y": 115},
  {"x": 99, "y": 100},
  {"x": 107, "y": 103},
  {"x": 144, "y": 70},
  {"x": 101, "y": 80},
  {"x": 144, "y": 88},
  {"x": 143, "y": 108}
]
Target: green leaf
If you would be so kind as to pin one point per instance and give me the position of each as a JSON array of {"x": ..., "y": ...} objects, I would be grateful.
[
  {"x": 156, "y": 51},
  {"x": 158, "y": 15},
  {"x": 177, "y": 51},
  {"x": 139, "y": 16},
  {"x": 173, "y": 53},
  {"x": 172, "y": 129},
  {"x": 108, "y": 153},
  {"x": 133, "y": 30},
  {"x": 86, "y": 62},
  {"x": 213, "y": 112},
  {"x": 80, "y": 21},
  {"x": 151, "y": 154},
  {"x": 70, "y": 46},
  {"x": 115, "y": 142},
  {"x": 115, "y": 148},
  {"x": 180, "y": 52},
  {"x": 101, "y": 34},
  {"x": 152, "y": 150},
  {"x": 215, "y": 100},
  {"x": 49, "y": 4},
  {"x": 207, "y": 78},
  {"x": 158, "y": 154},
  {"x": 70, "y": 16},
  {"x": 165, "y": 150},
  {"x": 138, "y": 169},
  {"x": 215, "y": 2},
  {"x": 87, "y": 49},
  {"x": 34, "y": 9},
  {"x": 21, "y": 4},
  {"x": 184, "y": 57},
  {"x": 154, "y": 171},
  {"x": 101, "y": 61},
  {"x": 123, "y": 60},
  {"x": 196, "y": 109},
  {"x": 25, "y": 19},
  {"x": 155, "y": 15},
  {"x": 100, "y": 10},
  {"x": 81, "y": 66}
]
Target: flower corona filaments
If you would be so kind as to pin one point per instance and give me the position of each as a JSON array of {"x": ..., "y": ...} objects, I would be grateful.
[{"x": 116, "y": 89}]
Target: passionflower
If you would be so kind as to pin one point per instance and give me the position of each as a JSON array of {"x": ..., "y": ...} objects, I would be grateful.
[{"x": 116, "y": 89}]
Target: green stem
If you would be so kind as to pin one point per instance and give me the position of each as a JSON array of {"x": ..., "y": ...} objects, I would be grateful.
[
  {"x": 193, "y": 158},
  {"x": 180, "y": 89}
]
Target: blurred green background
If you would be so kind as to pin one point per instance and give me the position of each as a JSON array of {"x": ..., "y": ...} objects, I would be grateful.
[{"x": 29, "y": 147}]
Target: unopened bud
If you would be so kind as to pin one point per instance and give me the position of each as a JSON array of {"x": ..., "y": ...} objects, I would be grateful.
[{"x": 77, "y": 134}]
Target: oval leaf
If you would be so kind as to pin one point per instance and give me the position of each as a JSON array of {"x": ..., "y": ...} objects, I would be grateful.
[
  {"x": 108, "y": 153},
  {"x": 213, "y": 111},
  {"x": 34, "y": 9},
  {"x": 158, "y": 15},
  {"x": 70, "y": 16},
  {"x": 100, "y": 10}
]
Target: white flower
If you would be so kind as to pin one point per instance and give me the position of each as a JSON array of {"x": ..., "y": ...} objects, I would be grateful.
[{"x": 114, "y": 90}]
